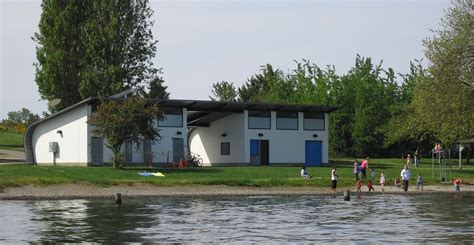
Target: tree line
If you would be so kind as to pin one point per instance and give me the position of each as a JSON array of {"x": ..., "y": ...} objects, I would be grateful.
[{"x": 377, "y": 115}]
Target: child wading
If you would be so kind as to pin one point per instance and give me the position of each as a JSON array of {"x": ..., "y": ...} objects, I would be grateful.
[
  {"x": 382, "y": 180},
  {"x": 370, "y": 186},
  {"x": 457, "y": 184},
  {"x": 359, "y": 185},
  {"x": 419, "y": 186}
]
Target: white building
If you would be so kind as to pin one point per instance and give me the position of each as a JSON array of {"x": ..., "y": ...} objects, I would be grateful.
[{"x": 221, "y": 133}]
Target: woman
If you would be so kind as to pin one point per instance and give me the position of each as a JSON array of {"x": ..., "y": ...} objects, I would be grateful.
[{"x": 333, "y": 180}]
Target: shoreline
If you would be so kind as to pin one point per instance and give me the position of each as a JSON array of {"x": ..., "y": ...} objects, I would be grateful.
[{"x": 85, "y": 191}]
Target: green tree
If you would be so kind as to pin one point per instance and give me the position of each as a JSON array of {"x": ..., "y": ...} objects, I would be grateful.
[
  {"x": 89, "y": 48},
  {"x": 223, "y": 91},
  {"x": 446, "y": 100},
  {"x": 129, "y": 120},
  {"x": 156, "y": 89},
  {"x": 19, "y": 120}
]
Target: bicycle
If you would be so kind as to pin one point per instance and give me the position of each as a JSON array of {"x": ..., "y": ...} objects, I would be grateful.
[{"x": 194, "y": 160}]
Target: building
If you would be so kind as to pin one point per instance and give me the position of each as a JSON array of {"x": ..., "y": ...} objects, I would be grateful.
[{"x": 221, "y": 133}]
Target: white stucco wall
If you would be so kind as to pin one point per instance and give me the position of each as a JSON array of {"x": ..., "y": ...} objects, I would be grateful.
[
  {"x": 73, "y": 145},
  {"x": 162, "y": 149},
  {"x": 286, "y": 146},
  {"x": 206, "y": 141}
]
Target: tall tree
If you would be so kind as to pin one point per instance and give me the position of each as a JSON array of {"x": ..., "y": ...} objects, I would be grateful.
[
  {"x": 223, "y": 91},
  {"x": 447, "y": 99},
  {"x": 128, "y": 120},
  {"x": 89, "y": 48},
  {"x": 157, "y": 90}
]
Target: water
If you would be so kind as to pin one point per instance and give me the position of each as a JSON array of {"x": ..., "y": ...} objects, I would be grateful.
[{"x": 442, "y": 218}]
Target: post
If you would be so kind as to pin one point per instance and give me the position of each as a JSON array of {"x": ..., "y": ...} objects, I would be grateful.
[
  {"x": 118, "y": 198},
  {"x": 461, "y": 147},
  {"x": 347, "y": 195},
  {"x": 432, "y": 164}
]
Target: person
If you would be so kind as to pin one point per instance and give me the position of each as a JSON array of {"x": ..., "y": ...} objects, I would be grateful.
[
  {"x": 372, "y": 174},
  {"x": 405, "y": 174},
  {"x": 408, "y": 160},
  {"x": 419, "y": 186},
  {"x": 416, "y": 158},
  {"x": 363, "y": 166},
  {"x": 397, "y": 182},
  {"x": 370, "y": 186},
  {"x": 304, "y": 173},
  {"x": 457, "y": 184},
  {"x": 382, "y": 180},
  {"x": 356, "y": 169},
  {"x": 359, "y": 185},
  {"x": 333, "y": 180}
]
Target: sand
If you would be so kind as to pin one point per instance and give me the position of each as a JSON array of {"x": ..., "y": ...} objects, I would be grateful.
[{"x": 85, "y": 191}]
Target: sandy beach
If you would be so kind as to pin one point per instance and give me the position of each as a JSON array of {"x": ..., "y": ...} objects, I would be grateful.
[{"x": 84, "y": 191}]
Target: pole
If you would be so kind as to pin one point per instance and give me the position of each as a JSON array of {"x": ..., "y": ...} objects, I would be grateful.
[{"x": 432, "y": 164}]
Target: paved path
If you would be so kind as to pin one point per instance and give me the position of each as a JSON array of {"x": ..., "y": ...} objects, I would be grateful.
[{"x": 10, "y": 156}]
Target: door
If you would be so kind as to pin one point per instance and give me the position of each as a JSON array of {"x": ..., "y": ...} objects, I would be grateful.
[
  {"x": 264, "y": 152},
  {"x": 259, "y": 152},
  {"x": 147, "y": 154},
  {"x": 128, "y": 152},
  {"x": 255, "y": 151},
  {"x": 178, "y": 149},
  {"x": 97, "y": 151},
  {"x": 313, "y": 153}
]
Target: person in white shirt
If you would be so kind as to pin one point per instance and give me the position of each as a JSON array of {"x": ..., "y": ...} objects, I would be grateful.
[
  {"x": 303, "y": 173},
  {"x": 405, "y": 174},
  {"x": 333, "y": 179}
]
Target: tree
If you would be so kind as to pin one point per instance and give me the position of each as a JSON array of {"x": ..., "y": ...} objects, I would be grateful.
[
  {"x": 156, "y": 89},
  {"x": 223, "y": 91},
  {"x": 129, "y": 120},
  {"x": 446, "y": 99},
  {"x": 20, "y": 119},
  {"x": 90, "y": 48}
]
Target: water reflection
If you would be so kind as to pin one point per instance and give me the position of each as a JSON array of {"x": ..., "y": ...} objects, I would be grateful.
[{"x": 375, "y": 218}]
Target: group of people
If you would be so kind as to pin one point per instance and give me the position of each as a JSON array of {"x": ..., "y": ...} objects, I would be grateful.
[{"x": 360, "y": 172}]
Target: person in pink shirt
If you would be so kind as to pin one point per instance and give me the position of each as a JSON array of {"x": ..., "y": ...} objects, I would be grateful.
[{"x": 363, "y": 167}]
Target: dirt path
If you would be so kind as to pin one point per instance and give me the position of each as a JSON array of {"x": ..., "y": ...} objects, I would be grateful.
[{"x": 10, "y": 156}]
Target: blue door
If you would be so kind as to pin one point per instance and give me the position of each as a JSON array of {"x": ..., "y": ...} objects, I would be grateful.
[
  {"x": 255, "y": 151},
  {"x": 313, "y": 153}
]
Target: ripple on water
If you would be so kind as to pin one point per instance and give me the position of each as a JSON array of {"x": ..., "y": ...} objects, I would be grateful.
[{"x": 366, "y": 219}]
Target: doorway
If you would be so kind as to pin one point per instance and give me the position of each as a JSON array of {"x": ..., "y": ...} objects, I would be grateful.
[
  {"x": 259, "y": 152},
  {"x": 178, "y": 149},
  {"x": 313, "y": 153}
]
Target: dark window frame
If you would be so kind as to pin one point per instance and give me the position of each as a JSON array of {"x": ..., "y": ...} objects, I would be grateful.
[
  {"x": 172, "y": 111},
  {"x": 287, "y": 116},
  {"x": 223, "y": 153},
  {"x": 314, "y": 115},
  {"x": 257, "y": 115}
]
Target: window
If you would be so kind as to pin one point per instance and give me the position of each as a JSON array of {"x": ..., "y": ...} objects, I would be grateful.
[
  {"x": 287, "y": 120},
  {"x": 313, "y": 121},
  {"x": 225, "y": 148},
  {"x": 259, "y": 120},
  {"x": 172, "y": 118}
]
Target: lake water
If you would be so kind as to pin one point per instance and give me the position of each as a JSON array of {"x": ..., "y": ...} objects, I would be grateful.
[{"x": 440, "y": 218}]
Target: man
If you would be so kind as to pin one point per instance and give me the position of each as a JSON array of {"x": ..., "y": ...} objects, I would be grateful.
[
  {"x": 333, "y": 180},
  {"x": 356, "y": 169},
  {"x": 405, "y": 174}
]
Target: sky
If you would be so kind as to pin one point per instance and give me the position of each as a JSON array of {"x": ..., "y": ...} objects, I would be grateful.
[{"x": 204, "y": 42}]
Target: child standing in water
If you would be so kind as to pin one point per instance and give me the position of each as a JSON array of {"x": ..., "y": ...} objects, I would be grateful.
[
  {"x": 359, "y": 185},
  {"x": 420, "y": 182},
  {"x": 457, "y": 184},
  {"x": 382, "y": 180},
  {"x": 370, "y": 186}
]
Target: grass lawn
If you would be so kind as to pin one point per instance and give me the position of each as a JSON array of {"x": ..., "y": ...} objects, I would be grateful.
[
  {"x": 17, "y": 175},
  {"x": 11, "y": 141}
]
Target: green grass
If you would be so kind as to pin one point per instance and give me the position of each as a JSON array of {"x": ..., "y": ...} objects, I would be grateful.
[
  {"x": 17, "y": 175},
  {"x": 11, "y": 141}
]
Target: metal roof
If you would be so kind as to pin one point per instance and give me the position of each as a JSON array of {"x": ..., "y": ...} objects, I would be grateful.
[{"x": 219, "y": 106}]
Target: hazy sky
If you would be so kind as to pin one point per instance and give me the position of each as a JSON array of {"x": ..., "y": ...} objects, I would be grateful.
[{"x": 203, "y": 42}]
